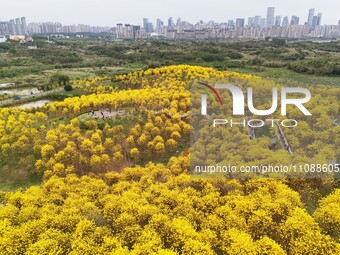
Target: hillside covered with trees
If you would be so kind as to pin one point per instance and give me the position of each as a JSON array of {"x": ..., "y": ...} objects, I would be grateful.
[{"x": 114, "y": 166}]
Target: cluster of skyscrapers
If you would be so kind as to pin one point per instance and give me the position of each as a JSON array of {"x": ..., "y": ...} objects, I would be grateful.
[
  {"x": 19, "y": 27},
  {"x": 256, "y": 21},
  {"x": 272, "y": 20},
  {"x": 14, "y": 27},
  {"x": 254, "y": 27},
  {"x": 313, "y": 21},
  {"x": 56, "y": 27}
]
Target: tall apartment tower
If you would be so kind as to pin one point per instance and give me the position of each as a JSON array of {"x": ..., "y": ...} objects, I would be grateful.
[
  {"x": 159, "y": 23},
  {"x": 12, "y": 28},
  {"x": 278, "y": 20},
  {"x": 145, "y": 24},
  {"x": 23, "y": 25},
  {"x": 231, "y": 23},
  {"x": 4, "y": 28},
  {"x": 270, "y": 16},
  {"x": 18, "y": 26},
  {"x": 251, "y": 21},
  {"x": 315, "y": 22},
  {"x": 295, "y": 20},
  {"x": 263, "y": 22},
  {"x": 150, "y": 27},
  {"x": 319, "y": 19},
  {"x": 239, "y": 22},
  {"x": 170, "y": 23},
  {"x": 310, "y": 17},
  {"x": 257, "y": 21},
  {"x": 285, "y": 21}
]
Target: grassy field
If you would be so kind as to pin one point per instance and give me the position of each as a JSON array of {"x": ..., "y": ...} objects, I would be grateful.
[
  {"x": 19, "y": 183},
  {"x": 14, "y": 175}
]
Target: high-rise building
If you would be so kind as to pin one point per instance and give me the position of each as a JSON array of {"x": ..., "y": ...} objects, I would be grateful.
[
  {"x": 231, "y": 23},
  {"x": 319, "y": 19},
  {"x": 120, "y": 30},
  {"x": 159, "y": 26},
  {"x": 278, "y": 20},
  {"x": 257, "y": 21},
  {"x": 251, "y": 21},
  {"x": 159, "y": 23},
  {"x": 315, "y": 22},
  {"x": 285, "y": 21},
  {"x": 170, "y": 23},
  {"x": 178, "y": 22},
  {"x": 211, "y": 23},
  {"x": 310, "y": 17},
  {"x": 23, "y": 25},
  {"x": 150, "y": 27},
  {"x": 135, "y": 31},
  {"x": 18, "y": 26},
  {"x": 239, "y": 22},
  {"x": 145, "y": 24},
  {"x": 270, "y": 16},
  {"x": 295, "y": 20},
  {"x": 4, "y": 28}
]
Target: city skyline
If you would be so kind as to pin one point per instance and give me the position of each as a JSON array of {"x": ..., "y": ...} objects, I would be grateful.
[
  {"x": 133, "y": 12},
  {"x": 255, "y": 27}
]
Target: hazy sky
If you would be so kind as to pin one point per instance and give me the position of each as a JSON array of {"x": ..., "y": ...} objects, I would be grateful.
[{"x": 110, "y": 12}]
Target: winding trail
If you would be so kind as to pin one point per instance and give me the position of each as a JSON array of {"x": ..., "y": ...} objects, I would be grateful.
[{"x": 11, "y": 101}]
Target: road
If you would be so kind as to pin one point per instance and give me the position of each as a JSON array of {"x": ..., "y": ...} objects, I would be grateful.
[{"x": 11, "y": 101}]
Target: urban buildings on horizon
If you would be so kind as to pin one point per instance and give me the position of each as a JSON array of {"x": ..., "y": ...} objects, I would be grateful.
[
  {"x": 253, "y": 27},
  {"x": 14, "y": 27}
]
